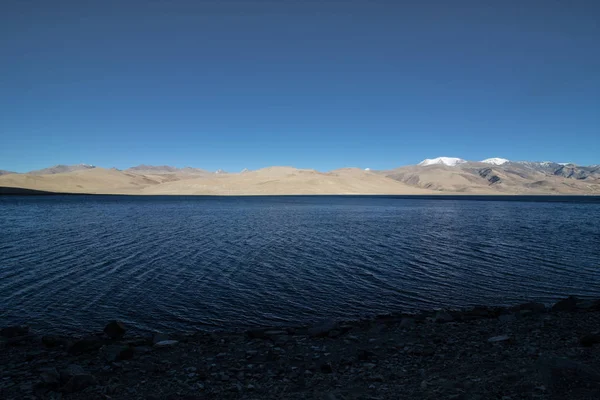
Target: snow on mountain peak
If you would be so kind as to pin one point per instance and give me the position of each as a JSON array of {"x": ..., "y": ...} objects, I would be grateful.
[
  {"x": 449, "y": 161},
  {"x": 495, "y": 161}
]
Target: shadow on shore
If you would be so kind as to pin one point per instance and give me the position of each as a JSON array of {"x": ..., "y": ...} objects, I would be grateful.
[{"x": 25, "y": 192}]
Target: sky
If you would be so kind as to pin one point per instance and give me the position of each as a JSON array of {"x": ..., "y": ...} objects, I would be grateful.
[{"x": 312, "y": 84}]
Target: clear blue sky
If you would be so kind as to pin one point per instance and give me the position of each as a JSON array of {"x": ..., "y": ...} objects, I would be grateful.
[{"x": 314, "y": 83}]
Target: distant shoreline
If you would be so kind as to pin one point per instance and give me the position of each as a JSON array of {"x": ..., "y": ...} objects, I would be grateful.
[{"x": 13, "y": 191}]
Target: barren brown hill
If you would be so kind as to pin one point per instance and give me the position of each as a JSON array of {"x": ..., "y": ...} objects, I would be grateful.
[
  {"x": 510, "y": 178},
  {"x": 287, "y": 180},
  {"x": 466, "y": 178},
  {"x": 96, "y": 180}
]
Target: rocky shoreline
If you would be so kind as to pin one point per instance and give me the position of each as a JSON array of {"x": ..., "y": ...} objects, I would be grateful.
[{"x": 527, "y": 351}]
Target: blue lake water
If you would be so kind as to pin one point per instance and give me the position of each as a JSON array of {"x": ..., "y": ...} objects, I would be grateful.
[{"x": 71, "y": 263}]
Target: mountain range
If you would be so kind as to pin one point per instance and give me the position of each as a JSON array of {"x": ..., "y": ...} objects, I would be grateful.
[{"x": 441, "y": 175}]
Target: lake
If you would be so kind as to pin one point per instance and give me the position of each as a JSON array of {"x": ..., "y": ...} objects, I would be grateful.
[{"x": 71, "y": 263}]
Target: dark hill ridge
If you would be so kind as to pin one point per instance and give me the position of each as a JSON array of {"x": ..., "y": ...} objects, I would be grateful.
[{"x": 522, "y": 352}]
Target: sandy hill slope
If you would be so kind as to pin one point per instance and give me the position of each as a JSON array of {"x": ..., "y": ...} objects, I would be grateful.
[
  {"x": 95, "y": 180},
  {"x": 288, "y": 180},
  {"x": 437, "y": 178}
]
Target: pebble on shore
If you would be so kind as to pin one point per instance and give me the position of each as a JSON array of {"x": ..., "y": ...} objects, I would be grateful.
[{"x": 526, "y": 351}]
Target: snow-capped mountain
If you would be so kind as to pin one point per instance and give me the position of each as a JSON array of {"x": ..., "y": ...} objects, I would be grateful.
[
  {"x": 495, "y": 161},
  {"x": 449, "y": 161}
]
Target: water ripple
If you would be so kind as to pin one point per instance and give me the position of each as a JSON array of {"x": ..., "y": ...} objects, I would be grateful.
[{"x": 71, "y": 263}]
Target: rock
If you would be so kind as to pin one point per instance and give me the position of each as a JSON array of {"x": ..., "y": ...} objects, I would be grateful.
[
  {"x": 115, "y": 330},
  {"x": 54, "y": 341},
  {"x": 365, "y": 355},
  {"x": 480, "y": 312},
  {"x": 334, "y": 333},
  {"x": 166, "y": 343},
  {"x": 275, "y": 332},
  {"x": 159, "y": 337},
  {"x": 116, "y": 352},
  {"x": 326, "y": 368},
  {"x": 133, "y": 342},
  {"x": 322, "y": 329},
  {"x": 525, "y": 313},
  {"x": 69, "y": 372},
  {"x": 443, "y": 316},
  {"x": 79, "y": 382},
  {"x": 50, "y": 376},
  {"x": 16, "y": 340},
  {"x": 590, "y": 340},
  {"x": 14, "y": 331},
  {"x": 256, "y": 333},
  {"x": 507, "y": 318},
  {"x": 531, "y": 306},
  {"x": 589, "y": 305},
  {"x": 406, "y": 322},
  {"x": 142, "y": 349},
  {"x": 497, "y": 339},
  {"x": 568, "y": 304},
  {"x": 562, "y": 375},
  {"x": 85, "y": 345}
]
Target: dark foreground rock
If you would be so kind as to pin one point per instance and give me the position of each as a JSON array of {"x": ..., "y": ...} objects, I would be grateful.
[{"x": 523, "y": 352}]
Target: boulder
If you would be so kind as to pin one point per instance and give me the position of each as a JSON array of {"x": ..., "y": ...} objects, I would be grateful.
[
  {"x": 322, "y": 329},
  {"x": 365, "y": 355},
  {"x": 14, "y": 331},
  {"x": 568, "y": 304},
  {"x": 79, "y": 382},
  {"x": 497, "y": 339},
  {"x": 159, "y": 337},
  {"x": 54, "y": 341},
  {"x": 115, "y": 330},
  {"x": 562, "y": 376},
  {"x": 326, "y": 368},
  {"x": 443, "y": 316},
  {"x": 50, "y": 376},
  {"x": 85, "y": 345},
  {"x": 407, "y": 322},
  {"x": 70, "y": 371},
  {"x": 113, "y": 353},
  {"x": 590, "y": 340},
  {"x": 507, "y": 318},
  {"x": 531, "y": 306},
  {"x": 477, "y": 312},
  {"x": 256, "y": 333},
  {"x": 591, "y": 305},
  {"x": 166, "y": 343},
  {"x": 75, "y": 378}
]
